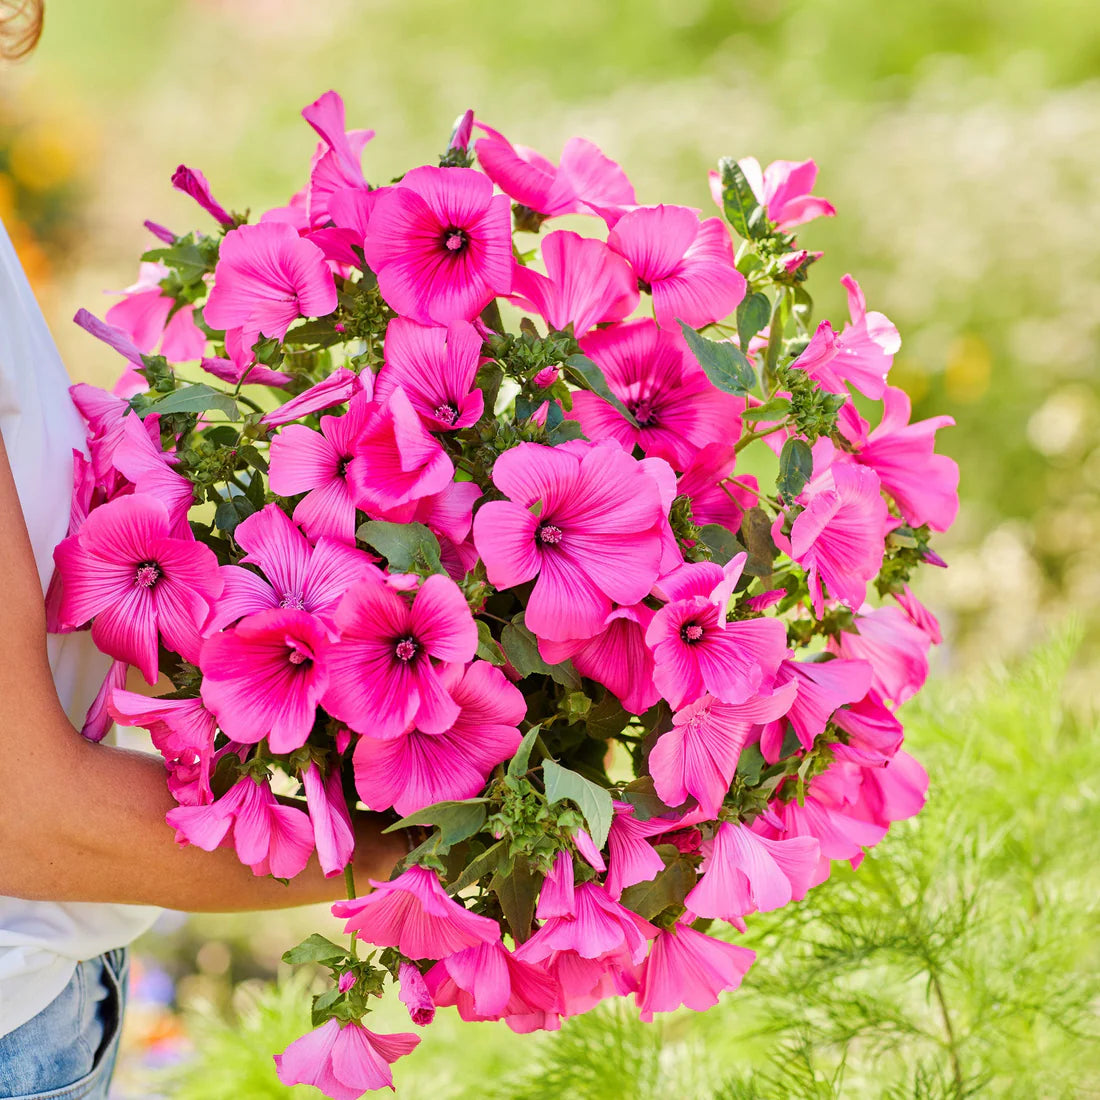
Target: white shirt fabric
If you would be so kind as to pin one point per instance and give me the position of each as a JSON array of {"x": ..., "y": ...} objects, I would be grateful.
[{"x": 41, "y": 942}]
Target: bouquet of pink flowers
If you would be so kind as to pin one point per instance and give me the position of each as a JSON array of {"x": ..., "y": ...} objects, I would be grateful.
[{"x": 521, "y": 585}]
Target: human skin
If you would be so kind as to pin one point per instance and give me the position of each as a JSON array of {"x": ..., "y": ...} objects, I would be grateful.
[{"x": 85, "y": 822}]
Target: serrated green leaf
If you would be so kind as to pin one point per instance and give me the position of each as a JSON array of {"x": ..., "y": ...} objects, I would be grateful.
[
  {"x": 231, "y": 512},
  {"x": 478, "y": 866},
  {"x": 642, "y": 795},
  {"x": 406, "y": 546},
  {"x": 516, "y": 889},
  {"x": 487, "y": 647},
  {"x": 774, "y": 409},
  {"x": 593, "y": 801},
  {"x": 721, "y": 542},
  {"x": 456, "y": 821},
  {"x": 314, "y": 949},
  {"x": 322, "y": 1005},
  {"x": 752, "y": 316},
  {"x": 723, "y": 362},
  {"x": 750, "y": 764},
  {"x": 521, "y": 648},
  {"x": 589, "y": 377},
  {"x": 739, "y": 202},
  {"x": 565, "y": 431},
  {"x": 196, "y": 398},
  {"x": 517, "y": 766},
  {"x": 796, "y": 466},
  {"x": 606, "y": 718}
]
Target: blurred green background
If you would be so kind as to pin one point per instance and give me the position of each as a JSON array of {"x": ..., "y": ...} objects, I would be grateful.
[{"x": 960, "y": 142}]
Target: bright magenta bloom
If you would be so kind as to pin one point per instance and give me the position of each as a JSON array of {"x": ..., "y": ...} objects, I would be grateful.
[
  {"x": 711, "y": 501},
  {"x": 337, "y": 165},
  {"x": 264, "y": 677},
  {"x": 840, "y": 537},
  {"x": 192, "y": 182},
  {"x": 382, "y": 675},
  {"x": 125, "y": 572},
  {"x": 415, "y": 995},
  {"x": 655, "y": 376},
  {"x": 267, "y": 277},
  {"x": 397, "y": 461},
  {"x": 862, "y": 354},
  {"x": 695, "y": 650},
  {"x": 138, "y": 457},
  {"x": 299, "y": 577},
  {"x": 686, "y": 264},
  {"x": 924, "y": 484},
  {"x": 417, "y": 769},
  {"x": 488, "y": 982},
  {"x": 435, "y": 367},
  {"x": 440, "y": 243},
  {"x": 316, "y": 463},
  {"x": 413, "y": 913},
  {"x": 340, "y": 386},
  {"x": 895, "y": 648},
  {"x": 586, "y": 182},
  {"x": 585, "y": 284},
  {"x": 343, "y": 1061},
  {"x": 744, "y": 873},
  {"x": 686, "y": 967},
  {"x": 328, "y": 813},
  {"x": 595, "y": 540},
  {"x": 784, "y": 188},
  {"x": 143, "y": 316},
  {"x": 631, "y": 855},
  {"x": 698, "y": 756}
]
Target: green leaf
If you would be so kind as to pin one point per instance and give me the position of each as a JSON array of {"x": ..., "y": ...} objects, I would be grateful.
[
  {"x": 607, "y": 718},
  {"x": 593, "y": 801},
  {"x": 773, "y": 409},
  {"x": 796, "y": 466},
  {"x": 487, "y": 647},
  {"x": 721, "y": 542},
  {"x": 752, "y": 316},
  {"x": 516, "y": 890},
  {"x": 406, "y": 546},
  {"x": 232, "y": 512},
  {"x": 756, "y": 531},
  {"x": 455, "y": 820},
  {"x": 589, "y": 377},
  {"x": 642, "y": 795},
  {"x": 196, "y": 398},
  {"x": 742, "y": 209},
  {"x": 321, "y": 332},
  {"x": 314, "y": 949},
  {"x": 186, "y": 257},
  {"x": 489, "y": 378},
  {"x": 517, "y": 766},
  {"x": 750, "y": 764},
  {"x": 478, "y": 866},
  {"x": 255, "y": 491},
  {"x": 521, "y": 648},
  {"x": 667, "y": 889},
  {"x": 323, "y": 1003},
  {"x": 565, "y": 431},
  {"x": 724, "y": 364}
]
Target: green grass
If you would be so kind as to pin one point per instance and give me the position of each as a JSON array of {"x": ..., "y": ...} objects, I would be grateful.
[{"x": 959, "y": 960}]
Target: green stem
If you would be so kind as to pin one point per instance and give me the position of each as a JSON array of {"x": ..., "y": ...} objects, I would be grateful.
[
  {"x": 349, "y": 886},
  {"x": 776, "y": 325},
  {"x": 773, "y": 501},
  {"x": 753, "y": 436}
]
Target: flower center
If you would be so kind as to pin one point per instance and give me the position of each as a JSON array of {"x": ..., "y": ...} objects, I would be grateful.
[
  {"x": 691, "y": 633},
  {"x": 644, "y": 413},
  {"x": 455, "y": 239},
  {"x": 147, "y": 574},
  {"x": 550, "y": 534},
  {"x": 406, "y": 648},
  {"x": 298, "y": 654},
  {"x": 342, "y": 468},
  {"x": 292, "y": 601},
  {"x": 644, "y": 287},
  {"x": 447, "y": 413},
  {"x": 297, "y": 657}
]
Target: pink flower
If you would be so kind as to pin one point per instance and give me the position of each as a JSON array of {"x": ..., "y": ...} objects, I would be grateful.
[
  {"x": 382, "y": 676},
  {"x": 343, "y": 1061},
  {"x": 711, "y": 500},
  {"x": 686, "y": 967},
  {"x": 98, "y": 720},
  {"x": 924, "y": 484},
  {"x": 695, "y": 650},
  {"x": 631, "y": 855},
  {"x": 595, "y": 540},
  {"x": 654, "y": 375},
  {"x": 124, "y": 571},
  {"x": 296, "y": 575},
  {"x": 239, "y": 365},
  {"x": 895, "y": 648},
  {"x": 840, "y": 536},
  {"x": 316, "y": 463},
  {"x": 861, "y": 354},
  {"x": 270, "y": 838},
  {"x": 182, "y": 731},
  {"x": 140, "y": 460},
  {"x": 192, "y": 182},
  {"x": 895, "y": 791},
  {"x": 264, "y": 677},
  {"x": 462, "y": 131},
  {"x": 698, "y": 756},
  {"x": 435, "y": 367},
  {"x": 918, "y": 614},
  {"x": 585, "y": 284},
  {"x": 874, "y": 734},
  {"x": 267, "y": 277},
  {"x": 418, "y": 769},
  {"x": 413, "y": 913},
  {"x": 617, "y": 657},
  {"x": 686, "y": 264},
  {"x": 143, "y": 316},
  {"x": 784, "y": 188},
  {"x": 440, "y": 243},
  {"x": 822, "y": 687},
  {"x": 415, "y": 995},
  {"x": 328, "y": 813},
  {"x": 337, "y": 165},
  {"x": 340, "y": 386},
  {"x": 449, "y": 516},
  {"x": 489, "y": 982},
  {"x": 586, "y": 182},
  {"x": 111, "y": 335},
  {"x": 396, "y": 460},
  {"x": 744, "y": 873}
]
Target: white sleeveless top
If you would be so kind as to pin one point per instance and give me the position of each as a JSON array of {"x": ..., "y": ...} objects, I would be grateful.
[{"x": 41, "y": 942}]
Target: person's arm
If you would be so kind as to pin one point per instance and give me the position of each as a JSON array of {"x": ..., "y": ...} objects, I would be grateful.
[{"x": 85, "y": 822}]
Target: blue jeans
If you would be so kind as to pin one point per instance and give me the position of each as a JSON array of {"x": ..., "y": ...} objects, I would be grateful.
[{"x": 68, "y": 1051}]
